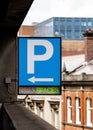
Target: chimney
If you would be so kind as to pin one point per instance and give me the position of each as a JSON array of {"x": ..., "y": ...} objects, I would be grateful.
[{"x": 88, "y": 39}]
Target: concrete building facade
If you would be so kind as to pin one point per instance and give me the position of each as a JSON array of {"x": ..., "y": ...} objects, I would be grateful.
[{"x": 46, "y": 107}]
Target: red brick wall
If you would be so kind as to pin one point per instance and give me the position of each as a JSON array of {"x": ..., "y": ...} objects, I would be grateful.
[
  {"x": 69, "y": 127},
  {"x": 83, "y": 95},
  {"x": 73, "y": 47},
  {"x": 76, "y": 47},
  {"x": 26, "y": 31},
  {"x": 88, "y": 48}
]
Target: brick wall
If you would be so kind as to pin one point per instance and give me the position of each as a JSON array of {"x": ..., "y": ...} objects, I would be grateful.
[
  {"x": 26, "y": 31},
  {"x": 72, "y": 47},
  {"x": 88, "y": 48},
  {"x": 83, "y": 95}
]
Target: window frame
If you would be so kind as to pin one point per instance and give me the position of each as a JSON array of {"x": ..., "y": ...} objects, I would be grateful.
[
  {"x": 69, "y": 110},
  {"x": 78, "y": 110},
  {"x": 89, "y": 112}
]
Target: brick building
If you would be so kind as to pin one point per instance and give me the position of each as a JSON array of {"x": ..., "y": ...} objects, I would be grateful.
[
  {"x": 77, "y": 90},
  {"x": 26, "y": 31}
]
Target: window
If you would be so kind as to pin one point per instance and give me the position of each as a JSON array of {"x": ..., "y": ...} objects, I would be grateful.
[
  {"x": 89, "y": 23},
  {"x": 69, "y": 35},
  {"x": 78, "y": 111},
  {"x": 77, "y": 28},
  {"x": 83, "y": 19},
  {"x": 69, "y": 110},
  {"x": 69, "y": 27},
  {"x": 89, "y": 112},
  {"x": 62, "y": 27},
  {"x": 62, "y": 20},
  {"x": 77, "y": 19},
  {"x": 69, "y": 19},
  {"x": 56, "y": 22},
  {"x": 83, "y": 29},
  {"x": 77, "y": 23},
  {"x": 55, "y": 115},
  {"x": 84, "y": 24},
  {"x": 69, "y": 23}
]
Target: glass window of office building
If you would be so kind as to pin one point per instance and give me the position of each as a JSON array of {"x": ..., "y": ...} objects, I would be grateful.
[
  {"x": 44, "y": 29},
  {"x": 69, "y": 28}
]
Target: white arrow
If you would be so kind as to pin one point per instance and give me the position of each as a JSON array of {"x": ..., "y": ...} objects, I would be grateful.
[{"x": 33, "y": 79}]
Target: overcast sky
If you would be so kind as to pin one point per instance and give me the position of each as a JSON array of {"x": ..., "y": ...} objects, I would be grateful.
[{"x": 44, "y": 9}]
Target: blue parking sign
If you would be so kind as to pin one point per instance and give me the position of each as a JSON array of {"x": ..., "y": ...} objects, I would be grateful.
[{"x": 39, "y": 61}]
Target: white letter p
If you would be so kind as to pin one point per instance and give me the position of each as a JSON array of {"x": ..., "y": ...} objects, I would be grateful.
[{"x": 31, "y": 57}]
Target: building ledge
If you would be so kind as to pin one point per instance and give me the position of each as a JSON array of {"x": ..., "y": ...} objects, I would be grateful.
[{"x": 78, "y": 125}]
